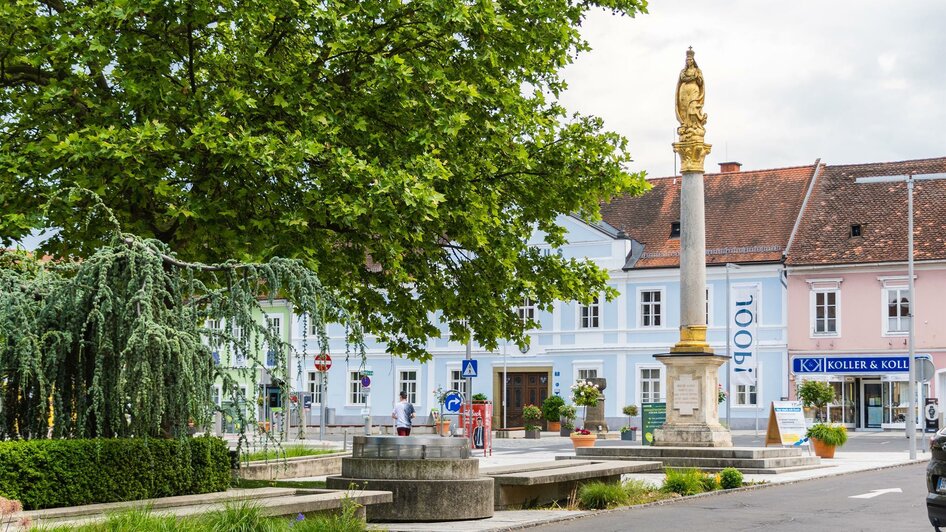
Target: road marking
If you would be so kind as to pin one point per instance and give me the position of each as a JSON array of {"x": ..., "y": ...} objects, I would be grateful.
[{"x": 876, "y": 493}]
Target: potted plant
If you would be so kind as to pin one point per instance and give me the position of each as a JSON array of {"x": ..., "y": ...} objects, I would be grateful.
[
  {"x": 826, "y": 437},
  {"x": 532, "y": 415},
  {"x": 567, "y": 415},
  {"x": 628, "y": 433},
  {"x": 816, "y": 394},
  {"x": 583, "y": 438},
  {"x": 441, "y": 425},
  {"x": 550, "y": 411},
  {"x": 480, "y": 398}
]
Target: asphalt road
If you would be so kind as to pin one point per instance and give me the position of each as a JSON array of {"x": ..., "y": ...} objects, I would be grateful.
[{"x": 814, "y": 505}]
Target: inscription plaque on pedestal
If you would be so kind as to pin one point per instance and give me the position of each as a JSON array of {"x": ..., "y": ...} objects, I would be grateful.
[{"x": 686, "y": 395}]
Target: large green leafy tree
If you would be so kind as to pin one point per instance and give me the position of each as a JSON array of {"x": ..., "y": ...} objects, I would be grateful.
[{"x": 405, "y": 150}]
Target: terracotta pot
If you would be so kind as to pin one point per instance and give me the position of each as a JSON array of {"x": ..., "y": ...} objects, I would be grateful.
[
  {"x": 555, "y": 426},
  {"x": 583, "y": 440},
  {"x": 822, "y": 449}
]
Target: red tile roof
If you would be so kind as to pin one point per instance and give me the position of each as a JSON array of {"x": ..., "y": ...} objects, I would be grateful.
[
  {"x": 837, "y": 202},
  {"x": 749, "y": 216}
]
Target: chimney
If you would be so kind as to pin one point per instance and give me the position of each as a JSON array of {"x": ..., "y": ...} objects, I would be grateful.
[{"x": 730, "y": 167}]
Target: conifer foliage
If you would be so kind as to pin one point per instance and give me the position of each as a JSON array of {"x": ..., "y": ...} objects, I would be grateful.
[{"x": 115, "y": 344}]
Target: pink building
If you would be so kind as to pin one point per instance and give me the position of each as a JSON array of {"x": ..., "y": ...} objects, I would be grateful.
[{"x": 848, "y": 301}]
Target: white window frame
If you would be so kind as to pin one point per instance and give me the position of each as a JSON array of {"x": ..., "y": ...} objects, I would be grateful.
[
  {"x": 884, "y": 321},
  {"x": 279, "y": 332},
  {"x": 351, "y": 384},
  {"x": 813, "y": 308},
  {"x": 416, "y": 400},
  {"x": 638, "y": 381},
  {"x": 758, "y": 391},
  {"x": 593, "y": 320},
  {"x": 314, "y": 386},
  {"x": 640, "y": 307},
  {"x": 451, "y": 382},
  {"x": 587, "y": 365},
  {"x": 526, "y": 310}
]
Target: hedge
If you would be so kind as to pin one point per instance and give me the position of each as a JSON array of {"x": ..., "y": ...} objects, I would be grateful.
[{"x": 53, "y": 473}]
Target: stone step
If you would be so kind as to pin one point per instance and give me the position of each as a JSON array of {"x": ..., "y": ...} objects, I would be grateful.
[{"x": 652, "y": 453}]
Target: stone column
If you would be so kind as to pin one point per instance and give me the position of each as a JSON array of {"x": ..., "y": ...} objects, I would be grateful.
[{"x": 692, "y": 368}]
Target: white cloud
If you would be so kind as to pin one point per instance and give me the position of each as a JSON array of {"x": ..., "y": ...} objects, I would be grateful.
[{"x": 848, "y": 81}]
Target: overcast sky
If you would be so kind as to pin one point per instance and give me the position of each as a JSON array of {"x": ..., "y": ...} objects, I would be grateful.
[{"x": 786, "y": 82}]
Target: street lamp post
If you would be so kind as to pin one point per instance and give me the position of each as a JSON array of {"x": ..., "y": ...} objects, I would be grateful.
[
  {"x": 729, "y": 344},
  {"x": 910, "y": 422}
]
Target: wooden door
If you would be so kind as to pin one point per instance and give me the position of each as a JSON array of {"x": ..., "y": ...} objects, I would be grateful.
[{"x": 525, "y": 388}]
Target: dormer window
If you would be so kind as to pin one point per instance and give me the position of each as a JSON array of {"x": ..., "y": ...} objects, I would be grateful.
[
  {"x": 674, "y": 229},
  {"x": 855, "y": 230}
]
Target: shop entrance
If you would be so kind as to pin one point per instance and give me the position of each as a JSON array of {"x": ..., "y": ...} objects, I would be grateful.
[{"x": 872, "y": 399}]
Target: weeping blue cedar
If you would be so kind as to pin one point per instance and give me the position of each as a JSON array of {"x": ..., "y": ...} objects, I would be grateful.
[{"x": 114, "y": 345}]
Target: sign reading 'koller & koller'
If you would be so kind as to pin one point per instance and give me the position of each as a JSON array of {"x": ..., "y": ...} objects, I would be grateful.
[
  {"x": 851, "y": 364},
  {"x": 743, "y": 318}
]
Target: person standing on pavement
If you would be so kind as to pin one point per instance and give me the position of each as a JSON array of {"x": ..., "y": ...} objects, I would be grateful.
[{"x": 403, "y": 415}]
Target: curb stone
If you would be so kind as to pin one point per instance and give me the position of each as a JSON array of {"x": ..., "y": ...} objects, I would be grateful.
[{"x": 590, "y": 513}]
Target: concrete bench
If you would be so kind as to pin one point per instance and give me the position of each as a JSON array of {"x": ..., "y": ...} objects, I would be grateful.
[
  {"x": 296, "y": 467},
  {"x": 271, "y": 502},
  {"x": 547, "y": 482}
]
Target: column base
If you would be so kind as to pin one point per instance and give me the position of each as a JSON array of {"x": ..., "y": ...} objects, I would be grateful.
[
  {"x": 692, "y": 435},
  {"x": 692, "y": 340}
]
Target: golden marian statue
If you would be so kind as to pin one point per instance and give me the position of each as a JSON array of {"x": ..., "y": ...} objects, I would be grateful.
[{"x": 690, "y": 97}]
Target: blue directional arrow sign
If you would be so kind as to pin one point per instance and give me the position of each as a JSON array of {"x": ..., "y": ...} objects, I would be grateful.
[
  {"x": 468, "y": 369},
  {"x": 452, "y": 402}
]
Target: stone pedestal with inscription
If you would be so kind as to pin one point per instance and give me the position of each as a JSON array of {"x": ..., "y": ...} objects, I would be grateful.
[{"x": 692, "y": 403}]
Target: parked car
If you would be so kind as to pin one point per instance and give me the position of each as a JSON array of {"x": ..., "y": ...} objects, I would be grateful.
[{"x": 936, "y": 481}]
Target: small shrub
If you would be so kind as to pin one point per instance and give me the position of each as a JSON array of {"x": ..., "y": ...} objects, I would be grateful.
[
  {"x": 551, "y": 407},
  {"x": 600, "y": 495},
  {"x": 835, "y": 435},
  {"x": 709, "y": 481},
  {"x": 684, "y": 482},
  {"x": 531, "y": 414},
  {"x": 480, "y": 397},
  {"x": 730, "y": 478}
]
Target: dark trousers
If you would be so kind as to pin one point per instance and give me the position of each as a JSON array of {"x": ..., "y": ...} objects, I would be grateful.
[{"x": 403, "y": 431}]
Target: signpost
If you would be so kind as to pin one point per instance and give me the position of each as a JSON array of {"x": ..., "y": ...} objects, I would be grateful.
[
  {"x": 653, "y": 416},
  {"x": 323, "y": 363},
  {"x": 786, "y": 424},
  {"x": 452, "y": 402}
]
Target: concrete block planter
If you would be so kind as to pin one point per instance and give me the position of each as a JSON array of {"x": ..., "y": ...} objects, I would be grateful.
[
  {"x": 299, "y": 467},
  {"x": 533, "y": 434},
  {"x": 629, "y": 435}
]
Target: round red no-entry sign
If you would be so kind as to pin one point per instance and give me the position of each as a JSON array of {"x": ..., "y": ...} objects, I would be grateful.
[{"x": 323, "y": 362}]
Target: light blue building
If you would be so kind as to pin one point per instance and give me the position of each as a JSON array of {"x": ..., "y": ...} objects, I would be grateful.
[{"x": 751, "y": 217}]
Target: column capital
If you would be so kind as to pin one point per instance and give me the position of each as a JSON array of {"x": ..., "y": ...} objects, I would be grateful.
[{"x": 692, "y": 154}]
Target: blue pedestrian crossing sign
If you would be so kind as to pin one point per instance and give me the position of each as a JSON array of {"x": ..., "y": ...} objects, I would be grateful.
[{"x": 468, "y": 369}]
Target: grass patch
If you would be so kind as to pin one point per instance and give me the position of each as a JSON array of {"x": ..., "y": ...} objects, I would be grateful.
[
  {"x": 234, "y": 518},
  {"x": 288, "y": 451},
  {"x": 684, "y": 481},
  {"x": 640, "y": 492},
  {"x": 600, "y": 495}
]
